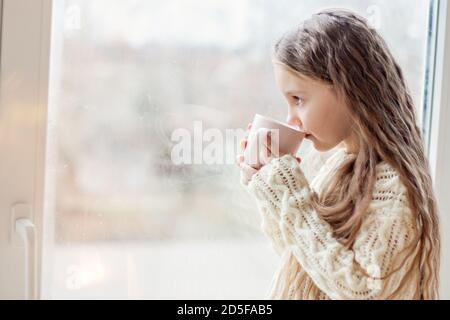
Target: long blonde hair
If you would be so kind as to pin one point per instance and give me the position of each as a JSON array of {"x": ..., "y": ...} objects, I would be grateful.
[{"x": 339, "y": 48}]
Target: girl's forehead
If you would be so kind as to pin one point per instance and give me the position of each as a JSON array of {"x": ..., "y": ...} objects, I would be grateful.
[{"x": 288, "y": 76}]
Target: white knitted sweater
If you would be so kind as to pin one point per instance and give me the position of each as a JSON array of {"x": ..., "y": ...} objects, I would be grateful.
[{"x": 314, "y": 265}]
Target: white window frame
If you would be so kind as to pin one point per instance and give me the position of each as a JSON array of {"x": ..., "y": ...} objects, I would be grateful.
[
  {"x": 24, "y": 79},
  {"x": 24, "y": 88}
]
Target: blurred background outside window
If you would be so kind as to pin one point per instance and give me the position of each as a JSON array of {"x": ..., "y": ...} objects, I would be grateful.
[{"x": 123, "y": 221}]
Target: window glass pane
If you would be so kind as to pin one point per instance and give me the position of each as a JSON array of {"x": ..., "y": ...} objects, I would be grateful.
[{"x": 126, "y": 221}]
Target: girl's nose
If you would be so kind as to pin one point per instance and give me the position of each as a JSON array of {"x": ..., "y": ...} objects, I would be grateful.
[{"x": 294, "y": 120}]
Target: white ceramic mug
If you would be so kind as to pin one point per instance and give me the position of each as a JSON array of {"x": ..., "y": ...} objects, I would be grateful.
[{"x": 286, "y": 137}]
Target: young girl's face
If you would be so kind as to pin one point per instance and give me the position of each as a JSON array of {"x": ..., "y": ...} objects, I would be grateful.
[{"x": 314, "y": 108}]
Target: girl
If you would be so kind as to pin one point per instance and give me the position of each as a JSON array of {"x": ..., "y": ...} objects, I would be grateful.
[{"x": 366, "y": 227}]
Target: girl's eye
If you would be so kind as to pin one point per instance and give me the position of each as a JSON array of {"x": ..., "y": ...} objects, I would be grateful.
[{"x": 298, "y": 100}]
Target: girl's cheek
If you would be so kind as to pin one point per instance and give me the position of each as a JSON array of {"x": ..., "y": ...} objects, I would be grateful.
[
  {"x": 312, "y": 121},
  {"x": 326, "y": 115}
]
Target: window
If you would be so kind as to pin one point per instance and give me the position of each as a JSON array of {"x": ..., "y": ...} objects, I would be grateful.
[{"x": 120, "y": 219}]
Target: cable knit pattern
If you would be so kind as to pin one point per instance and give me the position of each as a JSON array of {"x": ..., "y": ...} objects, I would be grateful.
[{"x": 311, "y": 258}]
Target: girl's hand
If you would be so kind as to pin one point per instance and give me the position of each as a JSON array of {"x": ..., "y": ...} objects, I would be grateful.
[
  {"x": 246, "y": 171},
  {"x": 268, "y": 152}
]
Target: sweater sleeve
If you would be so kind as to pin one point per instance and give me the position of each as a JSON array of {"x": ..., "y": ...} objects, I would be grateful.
[
  {"x": 269, "y": 222},
  {"x": 312, "y": 162},
  {"x": 384, "y": 248}
]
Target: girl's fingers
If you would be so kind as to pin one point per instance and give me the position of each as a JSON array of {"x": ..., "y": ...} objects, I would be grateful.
[
  {"x": 247, "y": 173},
  {"x": 245, "y": 176},
  {"x": 244, "y": 141},
  {"x": 248, "y": 169},
  {"x": 269, "y": 141},
  {"x": 239, "y": 158},
  {"x": 269, "y": 144},
  {"x": 274, "y": 144},
  {"x": 243, "y": 144},
  {"x": 244, "y": 180}
]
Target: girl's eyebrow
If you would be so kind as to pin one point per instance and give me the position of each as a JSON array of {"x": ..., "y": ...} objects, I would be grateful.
[{"x": 294, "y": 91}]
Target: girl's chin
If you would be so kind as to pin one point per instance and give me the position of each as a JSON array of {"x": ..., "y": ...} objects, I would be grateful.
[{"x": 318, "y": 145}]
